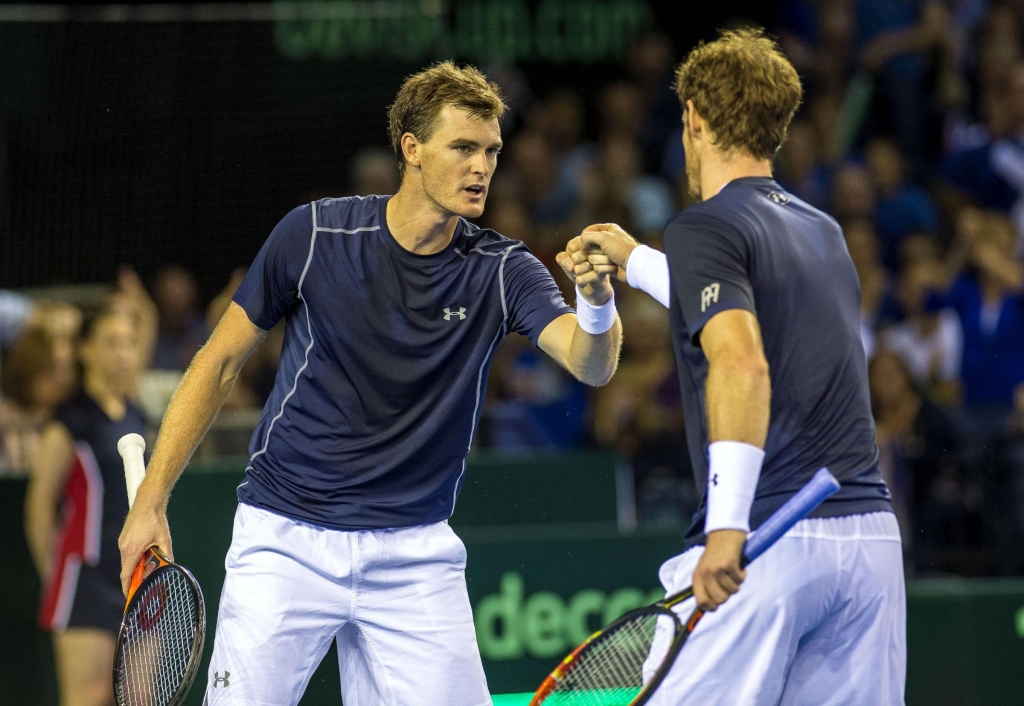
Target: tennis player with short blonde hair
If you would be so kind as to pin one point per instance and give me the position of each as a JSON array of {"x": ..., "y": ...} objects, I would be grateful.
[
  {"x": 764, "y": 304},
  {"x": 393, "y": 308}
]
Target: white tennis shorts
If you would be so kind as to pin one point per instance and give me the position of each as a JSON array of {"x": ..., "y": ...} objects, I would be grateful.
[
  {"x": 819, "y": 621},
  {"x": 395, "y": 599}
]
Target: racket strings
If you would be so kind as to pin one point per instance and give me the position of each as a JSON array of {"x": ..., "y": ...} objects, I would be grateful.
[
  {"x": 158, "y": 641},
  {"x": 610, "y": 671}
]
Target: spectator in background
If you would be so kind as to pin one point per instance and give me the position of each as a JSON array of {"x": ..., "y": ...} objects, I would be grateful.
[
  {"x": 824, "y": 113},
  {"x": 15, "y": 310},
  {"x": 901, "y": 208},
  {"x": 75, "y": 505},
  {"x": 638, "y": 415},
  {"x": 930, "y": 343},
  {"x": 918, "y": 447},
  {"x": 182, "y": 327},
  {"x": 920, "y": 247},
  {"x": 131, "y": 299},
  {"x": 984, "y": 164},
  {"x": 38, "y": 375},
  {"x": 374, "y": 171},
  {"x": 535, "y": 403},
  {"x": 892, "y": 38},
  {"x": 560, "y": 119},
  {"x": 862, "y": 243},
  {"x": 798, "y": 29},
  {"x": 988, "y": 298},
  {"x": 19, "y": 313},
  {"x": 651, "y": 66},
  {"x": 620, "y": 111},
  {"x": 853, "y": 194},
  {"x": 536, "y": 180},
  {"x": 1008, "y": 154},
  {"x": 615, "y": 190},
  {"x": 799, "y": 168}
]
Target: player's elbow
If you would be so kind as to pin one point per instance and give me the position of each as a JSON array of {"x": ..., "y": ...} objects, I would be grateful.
[
  {"x": 599, "y": 373},
  {"x": 597, "y": 378}
]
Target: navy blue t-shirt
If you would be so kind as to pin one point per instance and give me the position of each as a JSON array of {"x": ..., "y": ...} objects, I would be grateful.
[
  {"x": 755, "y": 247},
  {"x": 96, "y": 436},
  {"x": 384, "y": 364}
]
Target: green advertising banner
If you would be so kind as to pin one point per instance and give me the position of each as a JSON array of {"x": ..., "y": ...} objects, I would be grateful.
[
  {"x": 534, "y": 599},
  {"x": 537, "y": 589},
  {"x": 554, "y": 31}
]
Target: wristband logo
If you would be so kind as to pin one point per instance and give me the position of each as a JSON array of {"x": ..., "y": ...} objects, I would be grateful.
[{"x": 510, "y": 625}]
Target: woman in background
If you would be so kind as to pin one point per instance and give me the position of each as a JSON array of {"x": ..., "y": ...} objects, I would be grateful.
[
  {"x": 37, "y": 376},
  {"x": 75, "y": 506}
]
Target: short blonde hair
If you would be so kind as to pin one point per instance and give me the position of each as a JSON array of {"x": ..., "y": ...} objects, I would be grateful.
[
  {"x": 745, "y": 88},
  {"x": 423, "y": 96}
]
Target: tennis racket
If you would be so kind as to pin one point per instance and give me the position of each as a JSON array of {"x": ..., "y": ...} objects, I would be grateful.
[
  {"x": 163, "y": 630},
  {"x": 608, "y": 668}
]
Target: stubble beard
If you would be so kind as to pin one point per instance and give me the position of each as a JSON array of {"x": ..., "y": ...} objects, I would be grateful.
[
  {"x": 692, "y": 167},
  {"x": 435, "y": 189}
]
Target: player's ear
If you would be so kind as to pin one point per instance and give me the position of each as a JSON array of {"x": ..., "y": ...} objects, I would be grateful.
[
  {"x": 694, "y": 123},
  {"x": 411, "y": 148}
]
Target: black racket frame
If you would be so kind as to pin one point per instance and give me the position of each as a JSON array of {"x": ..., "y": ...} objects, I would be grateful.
[
  {"x": 660, "y": 608},
  {"x": 198, "y": 641}
]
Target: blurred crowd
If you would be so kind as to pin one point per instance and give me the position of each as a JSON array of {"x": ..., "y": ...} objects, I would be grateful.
[{"x": 911, "y": 135}]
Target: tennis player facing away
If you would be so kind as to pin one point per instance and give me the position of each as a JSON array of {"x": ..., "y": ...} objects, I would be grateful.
[
  {"x": 393, "y": 307},
  {"x": 764, "y": 307}
]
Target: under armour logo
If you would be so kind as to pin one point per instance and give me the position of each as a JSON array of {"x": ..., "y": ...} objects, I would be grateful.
[
  {"x": 460, "y": 312},
  {"x": 778, "y": 198},
  {"x": 709, "y": 296},
  {"x": 714, "y": 479},
  {"x": 217, "y": 679}
]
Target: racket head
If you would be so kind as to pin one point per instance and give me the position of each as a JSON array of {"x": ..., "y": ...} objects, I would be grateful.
[
  {"x": 607, "y": 669},
  {"x": 160, "y": 643}
]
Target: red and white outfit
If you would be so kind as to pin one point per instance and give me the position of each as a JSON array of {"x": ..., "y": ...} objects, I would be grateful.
[{"x": 84, "y": 587}]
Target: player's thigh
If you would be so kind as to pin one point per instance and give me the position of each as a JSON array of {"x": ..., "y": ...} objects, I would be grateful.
[
  {"x": 740, "y": 653},
  {"x": 857, "y": 656},
  {"x": 277, "y": 614},
  {"x": 83, "y": 658},
  {"x": 416, "y": 640}
]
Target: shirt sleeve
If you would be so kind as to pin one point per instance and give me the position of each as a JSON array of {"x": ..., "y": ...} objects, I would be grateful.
[
  {"x": 531, "y": 297},
  {"x": 271, "y": 286},
  {"x": 708, "y": 270}
]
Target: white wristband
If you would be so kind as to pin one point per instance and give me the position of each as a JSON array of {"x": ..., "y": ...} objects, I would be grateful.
[
  {"x": 595, "y": 319},
  {"x": 733, "y": 470},
  {"x": 647, "y": 270}
]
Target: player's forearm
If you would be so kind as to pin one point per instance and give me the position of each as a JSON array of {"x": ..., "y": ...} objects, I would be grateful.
[
  {"x": 199, "y": 397},
  {"x": 738, "y": 407},
  {"x": 738, "y": 401},
  {"x": 595, "y": 357}
]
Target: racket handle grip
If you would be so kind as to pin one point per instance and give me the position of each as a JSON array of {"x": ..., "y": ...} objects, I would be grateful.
[
  {"x": 131, "y": 448},
  {"x": 822, "y": 485}
]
